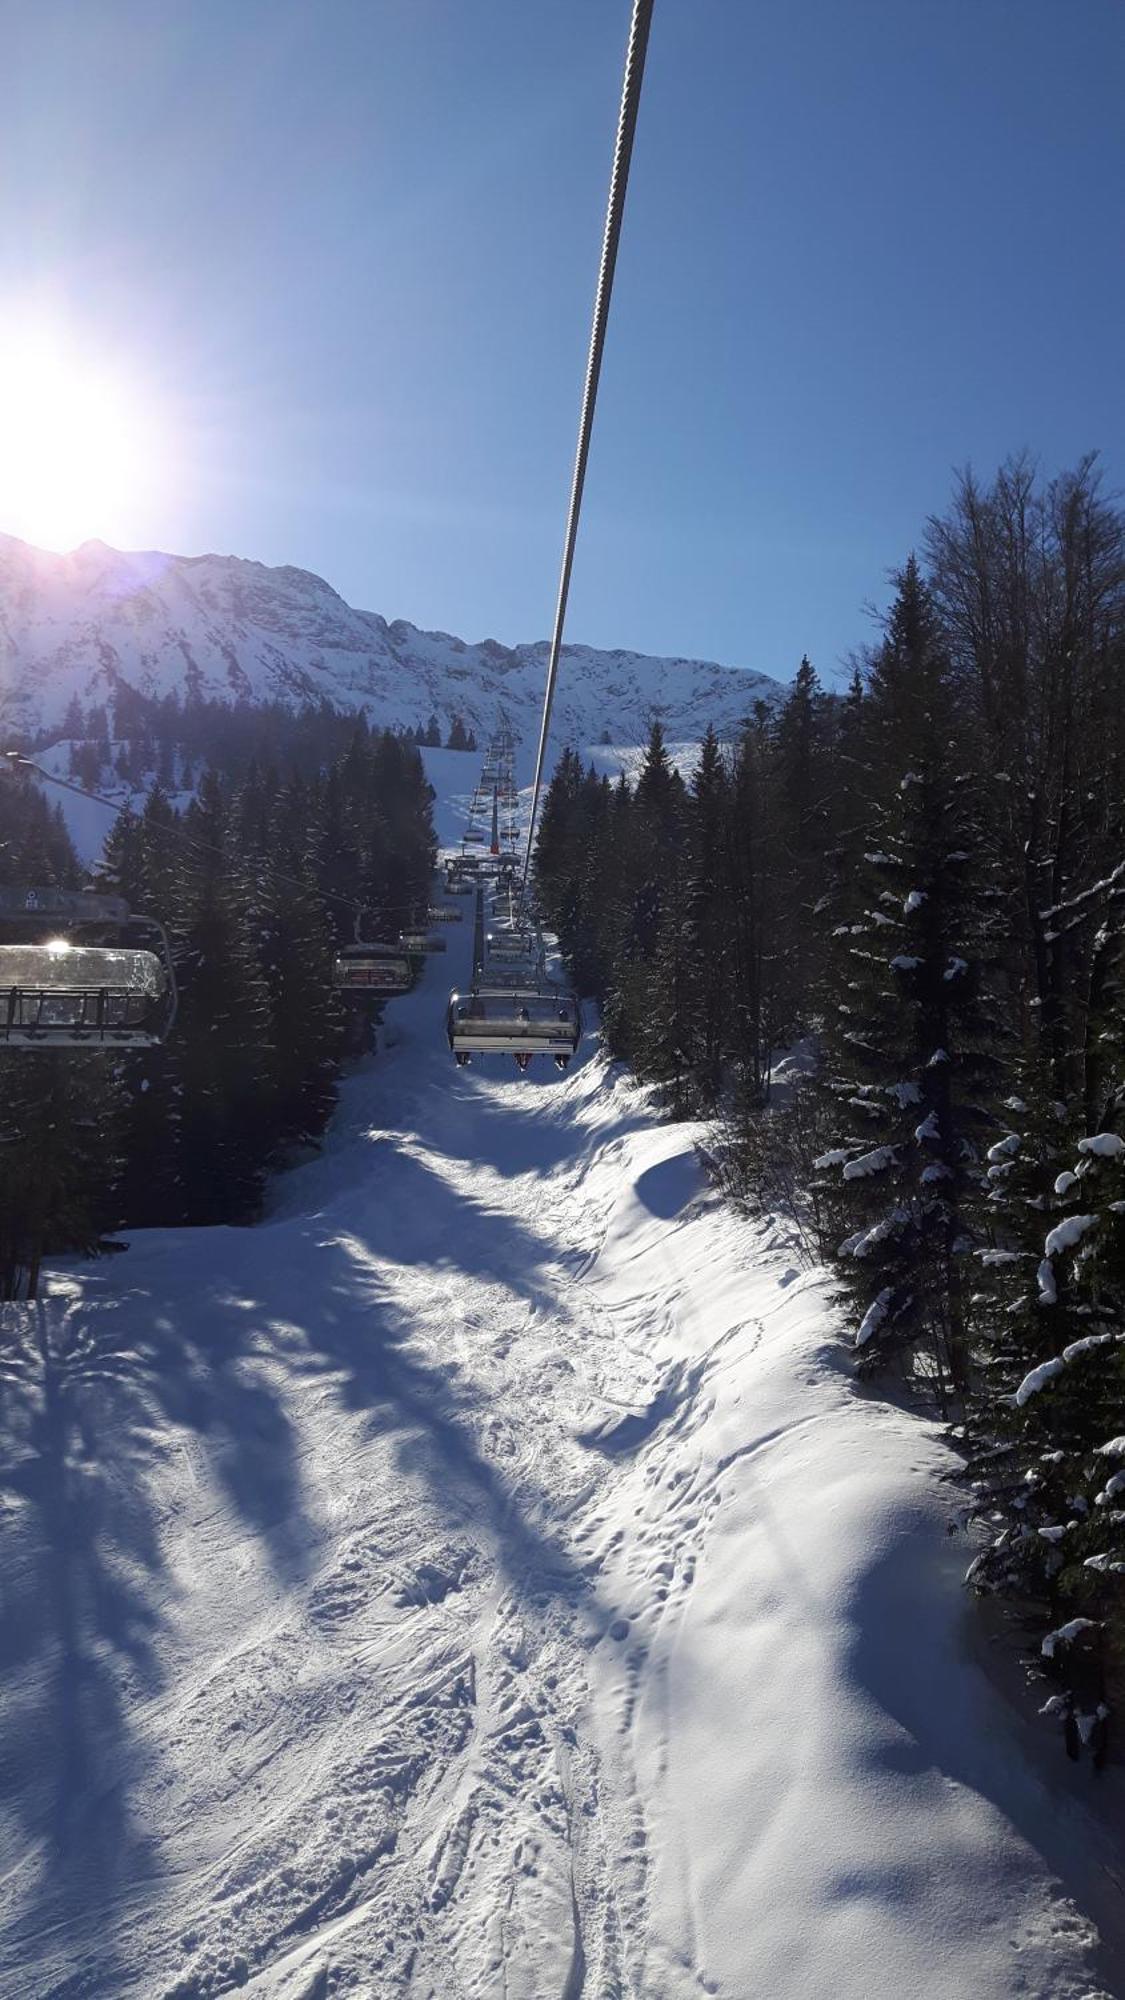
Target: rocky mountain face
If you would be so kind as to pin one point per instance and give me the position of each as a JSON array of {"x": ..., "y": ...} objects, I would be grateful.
[{"x": 223, "y": 628}]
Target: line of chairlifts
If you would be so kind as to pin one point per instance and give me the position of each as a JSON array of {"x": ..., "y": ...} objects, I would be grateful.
[
  {"x": 512, "y": 1007},
  {"x": 81, "y": 970}
]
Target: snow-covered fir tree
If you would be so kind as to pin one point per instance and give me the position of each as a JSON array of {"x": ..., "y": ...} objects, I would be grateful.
[{"x": 910, "y": 1038}]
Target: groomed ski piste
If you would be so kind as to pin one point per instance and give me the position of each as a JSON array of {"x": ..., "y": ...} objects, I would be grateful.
[{"x": 483, "y": 1578}]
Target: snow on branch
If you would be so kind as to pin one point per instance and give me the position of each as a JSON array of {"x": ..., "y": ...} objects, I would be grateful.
[
  {"x": 1087, "y": 1345},
  {"x": 1067, "y": 1233},
  {"x": 1038, "y": 1379},
  {"x": 1109, "y": 885},
  {"x": 873, "y": 1318},
  {"x": 1064, "y": 1635},
  {"x": 866, "y": 1240},
  {"x": 875, "y": 1162},
  {"x": 1047, "y": 1371},
  {"x": 1103, "y": 1146},
  {"x": 1005, "y": 1149},
  {"x": 904, "y": 1093}
]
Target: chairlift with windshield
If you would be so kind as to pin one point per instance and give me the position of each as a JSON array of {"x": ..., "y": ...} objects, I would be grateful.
[
  {"x": 80, "y": 970},
  {"x": 521, "y": 1022}
]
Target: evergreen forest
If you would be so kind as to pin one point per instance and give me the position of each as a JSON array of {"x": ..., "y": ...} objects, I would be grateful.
[
  {"x": 879, "y": 942},
  {"x": 269, "y": 869}
]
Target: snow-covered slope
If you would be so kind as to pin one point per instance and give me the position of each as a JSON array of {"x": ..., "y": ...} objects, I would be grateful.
[
  {"x": 220, "y": 627},
  {"x": 483, "y": 1580}
]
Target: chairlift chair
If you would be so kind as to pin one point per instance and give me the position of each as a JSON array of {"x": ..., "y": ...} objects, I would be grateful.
[
  {"x": 513, "y": 947},
  {"x": 365, "y": 968},
  {"x": 519, "y": 1021},
  {"x": 418, "y": 943},
  {"x": 80, "y": 970}
]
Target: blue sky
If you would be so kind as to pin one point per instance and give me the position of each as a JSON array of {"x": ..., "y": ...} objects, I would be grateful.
[{"x": 349, "y": 251}]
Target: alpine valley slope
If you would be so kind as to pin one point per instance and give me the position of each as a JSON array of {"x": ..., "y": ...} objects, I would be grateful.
[
  {"x": 225, "y": 629},
  {"x": 482, "y": 1581}
]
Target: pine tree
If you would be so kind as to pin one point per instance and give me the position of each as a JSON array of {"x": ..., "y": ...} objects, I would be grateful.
[
  {"x": 58, "y": 1112},
  {"x": 752, "y": 872},
  {"x": 652, "y": 830},
  {"x": 222, "y": 1030},
  {"x": 294, "y": 952},
  {"x": 911, "y": 1041},
  {"x": 709, "y": 939},
  {"x": 801, "y": 778},
  {"x": 58, "y": 1159}
]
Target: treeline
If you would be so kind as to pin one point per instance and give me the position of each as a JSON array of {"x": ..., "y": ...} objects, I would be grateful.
[
  {"x": 257, "y": 881},
  {"x": 920, "y": 884},
  {"x": 133, "y": 738}
]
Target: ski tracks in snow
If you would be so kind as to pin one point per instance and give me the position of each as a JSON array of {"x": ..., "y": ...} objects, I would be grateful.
[
  {"x": 375, "y": 1760},
  {"x": 403, "y": 1604}
]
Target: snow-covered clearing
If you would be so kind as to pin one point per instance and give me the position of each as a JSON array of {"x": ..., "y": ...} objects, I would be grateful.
[
  {"x": 452, "y": 773},
  {"x": 482, "y": 1579}
]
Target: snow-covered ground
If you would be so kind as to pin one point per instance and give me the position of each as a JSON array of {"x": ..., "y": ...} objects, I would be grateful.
[
  {"x": 452, "y": 773},
  {"x": 483, "y": 1580}
]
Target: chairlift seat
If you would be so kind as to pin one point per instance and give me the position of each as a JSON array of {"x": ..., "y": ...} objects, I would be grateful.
[
  {"x": 418, "y": 943},
  {"x": 59, "y": 995},
  {"x": 516, "y": 1021},
  {"x": 371, "y": 968}
]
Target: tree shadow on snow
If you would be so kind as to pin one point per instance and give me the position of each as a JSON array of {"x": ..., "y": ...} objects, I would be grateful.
[
  {"x": 96, "y": 1390},
  {"x": 77, "y": 1619},
  {"x": 364, "y": 1341},
  {"x": 526, "y": 1126},
  {"x": 910, "y": 1657},
  {"x": 339, "y": 1292},
  {"x": 87, "y": 1390},
  {"x": 404, "y": 1213}
]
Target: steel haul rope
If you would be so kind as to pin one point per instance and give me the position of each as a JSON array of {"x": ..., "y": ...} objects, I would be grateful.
[{"x": 622, "y": 154}]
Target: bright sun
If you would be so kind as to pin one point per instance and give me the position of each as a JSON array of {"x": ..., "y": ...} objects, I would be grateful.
[{"x": 80, "y": 455}]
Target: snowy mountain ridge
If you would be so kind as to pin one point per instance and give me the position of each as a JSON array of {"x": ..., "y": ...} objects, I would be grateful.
[{"x": 225, "y": 628}]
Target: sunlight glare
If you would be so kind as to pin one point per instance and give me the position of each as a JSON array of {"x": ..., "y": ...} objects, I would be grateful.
[{"x": 80, "y": 450}]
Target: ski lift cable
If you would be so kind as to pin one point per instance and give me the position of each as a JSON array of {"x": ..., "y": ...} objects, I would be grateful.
[
  {"x": 16, "y": 759},
  {"x": 619, "y": 180}
]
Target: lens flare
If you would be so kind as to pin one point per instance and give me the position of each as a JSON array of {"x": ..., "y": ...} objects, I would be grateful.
[{"x": 81, "y": 453}]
